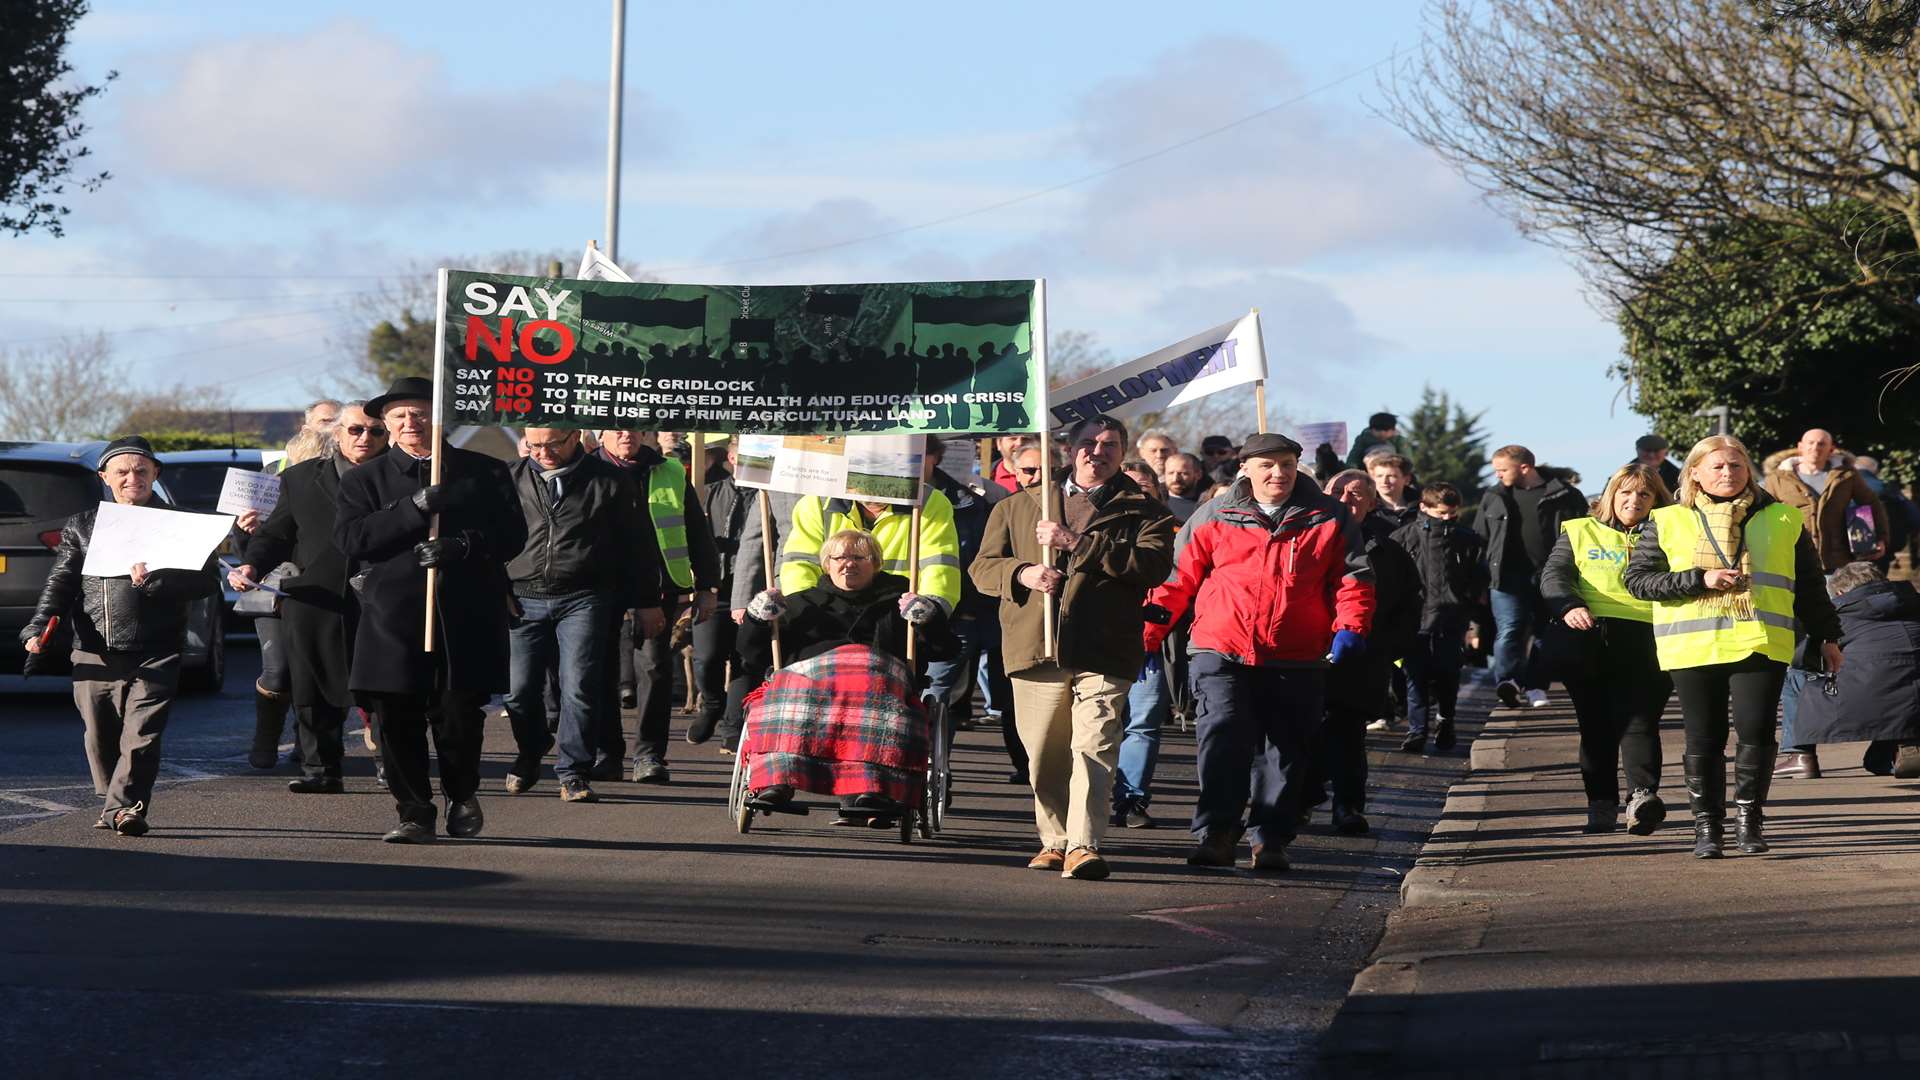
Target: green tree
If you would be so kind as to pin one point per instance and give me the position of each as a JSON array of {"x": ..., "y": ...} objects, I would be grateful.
[
  {"x": 1712, "y": 330},
  {"x": 397, "y": 351},
  {"x": 1447, "y": 443},
  {"x": 40, "y": 128}
]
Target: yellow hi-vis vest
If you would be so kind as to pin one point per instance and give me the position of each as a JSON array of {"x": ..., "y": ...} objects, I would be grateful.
[
  {"x": 815, "y": 519},
  {"x": 1687, "y": 634},
  {"x": 1600, "y": 555},
  {"x": 667, "y": 505}
]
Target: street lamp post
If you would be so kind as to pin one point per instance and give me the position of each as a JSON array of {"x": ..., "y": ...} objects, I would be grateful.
[{"x": 613, "y": 129}]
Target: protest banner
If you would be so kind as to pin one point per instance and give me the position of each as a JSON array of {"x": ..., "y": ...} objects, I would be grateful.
[
  {"x": 1333, "y": 433},
  {"x": 865, "y": 468},
  {"x": 891, "y": 358},
  {"x": 244, "y": 490},
  {"x": 163, "y": 539},
  {"x": 1229, "y": 355}
]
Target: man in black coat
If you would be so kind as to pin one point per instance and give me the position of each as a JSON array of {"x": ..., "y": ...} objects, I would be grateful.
[
  {"x": 318, "y": 611},
  {"x": 1356, "y": 691},
  {"x": 386, "y": 510}
]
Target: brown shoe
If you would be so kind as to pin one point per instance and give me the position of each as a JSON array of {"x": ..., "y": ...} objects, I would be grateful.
[
  {"x": 1214, "y": 849},
  {"x": 1802, "y": 765},
  {"x": 1271, "y": 858},
  {"x": 1086, "y": 864},
  {"x": 1906, "y": 761},
  {"x": 1051, "y": 858}
]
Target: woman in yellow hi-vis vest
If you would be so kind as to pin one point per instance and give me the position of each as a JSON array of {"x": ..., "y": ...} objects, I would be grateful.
[
  {"x": 1729, "y": 570},
  {"x": 1601, "y": 641}
]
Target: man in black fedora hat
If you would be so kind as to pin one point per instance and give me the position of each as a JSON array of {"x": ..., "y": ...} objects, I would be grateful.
[
  {"x": 128, "y": 632},
  {"x": 387, "y": 508}
]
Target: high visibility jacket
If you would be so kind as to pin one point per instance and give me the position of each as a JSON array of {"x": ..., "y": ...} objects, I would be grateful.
[
  {"x": 667, "y": 503},
  {"x": 1688, "y": 633},
  {"x": 815, "y": 519},
  {"x": 1599, "y": 556}
]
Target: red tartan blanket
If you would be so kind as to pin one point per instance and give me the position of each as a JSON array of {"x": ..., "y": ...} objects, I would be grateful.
[{"x": 846, "y": 722}]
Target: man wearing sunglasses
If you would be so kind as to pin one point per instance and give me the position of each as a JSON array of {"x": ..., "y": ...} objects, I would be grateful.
[{"x": 319, "y": 612}]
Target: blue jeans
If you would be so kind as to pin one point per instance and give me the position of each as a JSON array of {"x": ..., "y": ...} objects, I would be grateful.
[
  {"x": 1149, "y": 705},
  {"x": 1790, "y": 708},
  {"x": 1514, "y": 615},
  {"x": 1433, "y": 677},
  {"x": 576, "y": 627}
]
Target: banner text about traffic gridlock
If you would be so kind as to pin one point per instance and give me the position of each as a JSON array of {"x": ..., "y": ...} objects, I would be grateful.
[{"x": 939, "y": 357}]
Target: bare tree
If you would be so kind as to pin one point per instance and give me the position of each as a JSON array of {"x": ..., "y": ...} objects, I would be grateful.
[
  {"x": 1627, "y": 130},
  {"x": 71, "y": 389}
]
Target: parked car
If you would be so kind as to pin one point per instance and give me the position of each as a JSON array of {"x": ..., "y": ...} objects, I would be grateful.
[{"x": 42, "y": 484}]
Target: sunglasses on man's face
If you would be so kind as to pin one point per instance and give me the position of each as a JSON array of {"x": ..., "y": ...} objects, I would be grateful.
[
  {"x": 1028, "y": 470},
  {"x": 357, "y": 430}
]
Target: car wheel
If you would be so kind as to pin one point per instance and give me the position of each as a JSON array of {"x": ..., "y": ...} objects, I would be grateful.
[{"x": 210, "y": 677}]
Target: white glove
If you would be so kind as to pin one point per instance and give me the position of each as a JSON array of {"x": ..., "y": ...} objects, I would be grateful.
[
  {"x": 767, "y": 606},
  {"x": 917, "y": 609}
]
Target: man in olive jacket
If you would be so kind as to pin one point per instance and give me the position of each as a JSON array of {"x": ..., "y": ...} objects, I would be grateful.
[{"x": 1114, "y": 543}]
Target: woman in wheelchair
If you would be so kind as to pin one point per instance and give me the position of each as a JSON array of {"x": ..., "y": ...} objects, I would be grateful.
[{"x": 854, "y": 603}]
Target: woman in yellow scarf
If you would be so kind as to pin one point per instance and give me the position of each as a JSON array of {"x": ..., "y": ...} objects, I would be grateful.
[{"x": 1730, "y": 571}]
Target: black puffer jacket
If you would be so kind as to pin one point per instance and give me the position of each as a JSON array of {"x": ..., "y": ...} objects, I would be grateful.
[
  {"x": 598, "y": 539},
  {"x": 1451, "y": 559},
  {"x": 1399, "y": 599},
  {"x": 111, "y": 615},
  {"x": 1878, "y": 688},
  {"x": 824, "y": 617}
]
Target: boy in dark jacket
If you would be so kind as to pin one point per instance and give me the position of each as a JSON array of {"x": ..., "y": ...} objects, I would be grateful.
[{"x": 1451, "y": 562}]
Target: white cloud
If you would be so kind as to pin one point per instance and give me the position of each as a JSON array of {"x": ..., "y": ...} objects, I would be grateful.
[
  {"x": 344, "y": 113},
  {"x": 1314, "y": 179}
]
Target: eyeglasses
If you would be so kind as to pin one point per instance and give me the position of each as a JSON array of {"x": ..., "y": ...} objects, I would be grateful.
[
  {"x": 1028, "y": 470},
  {"x": 558, "y": 444},
  {"x": 846, "y": 558},
  {"x": 357, "y": 430}
]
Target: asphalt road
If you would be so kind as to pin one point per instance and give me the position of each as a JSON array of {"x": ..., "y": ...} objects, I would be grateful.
[{"x": 259, "y": 933}]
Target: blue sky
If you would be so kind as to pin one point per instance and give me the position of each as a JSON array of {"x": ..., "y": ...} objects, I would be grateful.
[{"x": 316, "y": 153}]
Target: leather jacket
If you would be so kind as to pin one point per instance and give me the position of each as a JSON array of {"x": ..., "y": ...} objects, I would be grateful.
[{"x": 112, "y": 615}]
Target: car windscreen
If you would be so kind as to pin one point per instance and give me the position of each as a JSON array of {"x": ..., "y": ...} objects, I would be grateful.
[
  {"x": 196, "y": 485},
  {"x": 40, "y": 490}
]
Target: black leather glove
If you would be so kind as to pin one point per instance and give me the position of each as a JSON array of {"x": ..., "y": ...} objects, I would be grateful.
[
  {"x": 441, "y": 552},
  {"x": 1156, "y": 614},
  {"x": 439, "y": 497}
]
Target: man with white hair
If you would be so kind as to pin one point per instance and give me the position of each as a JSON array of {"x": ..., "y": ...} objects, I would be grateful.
[{"x": 321, "y": 416}]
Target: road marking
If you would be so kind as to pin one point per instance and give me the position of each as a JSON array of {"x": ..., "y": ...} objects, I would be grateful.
[
  {"x": 1159, "y": 1014},
  {"x": 35, "y": 816},
  {"x": 1171, "y": 1044},
  {"x": 38, "y": 804},
  {"x": 187, "y": 774},
  {"x": 1151, "y": 973},
  {"x": 1201, "y": 931},
  {"x": 392, "y": 1005}
]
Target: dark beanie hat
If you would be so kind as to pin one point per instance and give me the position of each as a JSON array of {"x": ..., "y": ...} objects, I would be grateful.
[{"x": 128, "y": 444}]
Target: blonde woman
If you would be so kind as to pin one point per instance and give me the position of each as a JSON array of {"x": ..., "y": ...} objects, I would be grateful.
[
  {"x": 1601, "y": 640},
  {"x": 1729, "y": 569}
]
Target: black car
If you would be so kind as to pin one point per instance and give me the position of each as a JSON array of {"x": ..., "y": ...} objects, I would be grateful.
[{"x": 42, "y": 484}]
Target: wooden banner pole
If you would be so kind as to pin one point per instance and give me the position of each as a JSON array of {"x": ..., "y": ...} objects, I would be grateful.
[
  {"x": 433, "y": 533},
  {"x": 913, "y": 578},
  {"x": 766, "y": 552},
  {"x": 1046, "y": 553},
  {"x": 1260, "y": 404}
]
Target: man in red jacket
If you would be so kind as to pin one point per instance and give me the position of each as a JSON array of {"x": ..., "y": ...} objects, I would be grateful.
[{"x": 1278, "y": 580}]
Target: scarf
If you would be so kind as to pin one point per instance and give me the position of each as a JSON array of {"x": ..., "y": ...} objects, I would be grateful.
[{"x": 1723, "y": 545}]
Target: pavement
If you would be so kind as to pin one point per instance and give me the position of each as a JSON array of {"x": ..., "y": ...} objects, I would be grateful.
[
  {"x": 1526, "y": 948},
  {"x": 255, "y": 933}
]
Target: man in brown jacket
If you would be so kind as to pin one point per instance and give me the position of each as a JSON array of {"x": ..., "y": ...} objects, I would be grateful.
[
  {"x": 1821, "y": 483},
  {"x": 1114, "y": 543}
]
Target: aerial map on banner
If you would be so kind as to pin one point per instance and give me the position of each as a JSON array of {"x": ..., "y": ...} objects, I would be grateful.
[{"x": 939, "y": 357}]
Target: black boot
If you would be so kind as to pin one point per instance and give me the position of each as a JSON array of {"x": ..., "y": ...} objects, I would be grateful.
[
  {"x": 269, "y": 719},
  {"x": 1752, "y": 776},
  {"x": 1707, "y": 798}
]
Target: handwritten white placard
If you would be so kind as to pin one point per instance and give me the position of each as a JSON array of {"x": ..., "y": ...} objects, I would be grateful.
[
  {"x": 245, "y": 490},
  {"x": 163, "y": 539}
]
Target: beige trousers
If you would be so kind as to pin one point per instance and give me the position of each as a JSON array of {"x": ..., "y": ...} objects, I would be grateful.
[{"x": 1071, "y": 723}]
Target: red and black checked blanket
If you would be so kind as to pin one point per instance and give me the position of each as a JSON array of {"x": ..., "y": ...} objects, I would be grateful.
[{"x": 846, "y": 722}]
